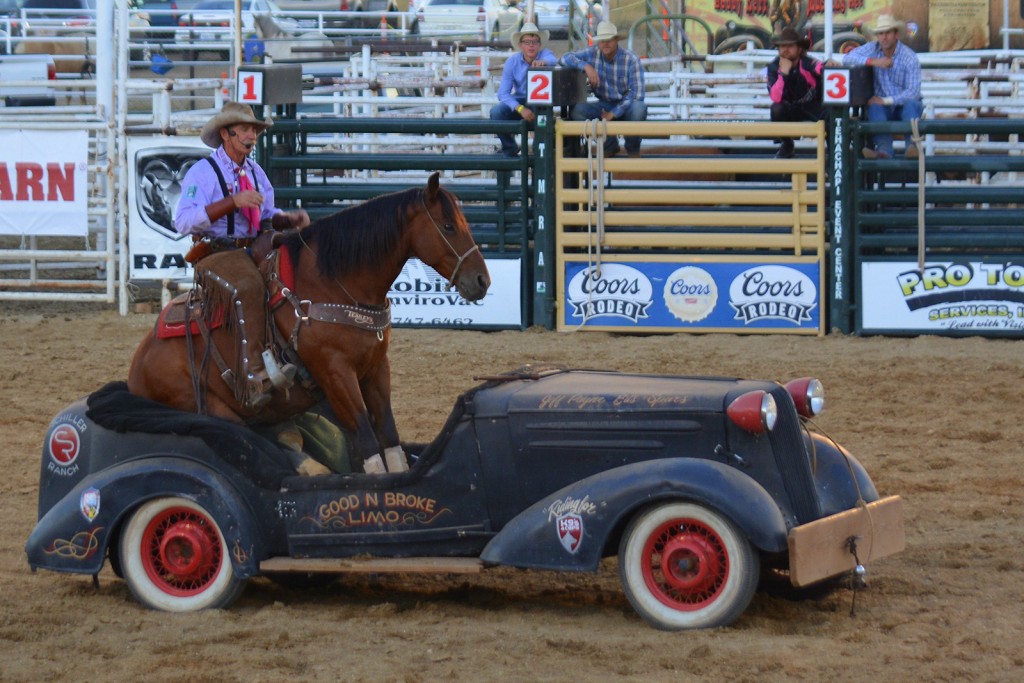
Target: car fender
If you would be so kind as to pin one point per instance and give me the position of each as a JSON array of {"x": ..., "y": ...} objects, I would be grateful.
[
  {"x": 569, "y": 529},
  {"x": 839, "y": 478},
  {"x": 74, "y": 535}
]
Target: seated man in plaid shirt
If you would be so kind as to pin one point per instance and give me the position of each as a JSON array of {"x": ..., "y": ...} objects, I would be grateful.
[{"x": 897, "y": 75}]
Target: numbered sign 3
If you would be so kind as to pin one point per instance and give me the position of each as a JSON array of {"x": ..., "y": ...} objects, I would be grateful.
[
  {"x": 837, "y": 86},
  {"x": 249, "y": 87},
  {"x": 538, "y": 87}
]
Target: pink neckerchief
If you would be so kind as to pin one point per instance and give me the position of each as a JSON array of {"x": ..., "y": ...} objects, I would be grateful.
[{"x": 251, "y": 213}]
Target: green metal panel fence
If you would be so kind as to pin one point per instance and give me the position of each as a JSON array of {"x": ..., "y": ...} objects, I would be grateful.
[{"x": 325, "y": 164}]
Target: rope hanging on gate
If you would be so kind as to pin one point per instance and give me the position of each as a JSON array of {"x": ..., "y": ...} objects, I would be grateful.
[
  {"x": 595, "y": 132},
  {"x": 920, "y": 191}
]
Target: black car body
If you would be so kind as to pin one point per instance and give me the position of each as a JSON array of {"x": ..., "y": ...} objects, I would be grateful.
[{"x": 699, "y": 484}]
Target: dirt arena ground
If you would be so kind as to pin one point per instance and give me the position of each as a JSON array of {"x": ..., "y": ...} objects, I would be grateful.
[{"x": 935, "y": 420}]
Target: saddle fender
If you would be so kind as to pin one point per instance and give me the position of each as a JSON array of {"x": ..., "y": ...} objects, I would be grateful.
[
  {"x": 75, "y": 534},
  {"x": 570, "y": 529}
]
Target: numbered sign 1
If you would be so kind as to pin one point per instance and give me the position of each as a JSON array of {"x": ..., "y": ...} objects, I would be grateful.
[
  {"x": 539, "y": 87},
  {"x": 249, "y": 87},
  {"x": 837, "y": 86}
]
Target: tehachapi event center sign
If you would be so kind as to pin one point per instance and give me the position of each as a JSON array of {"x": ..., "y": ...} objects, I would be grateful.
[{"x": 44, "y": 182}]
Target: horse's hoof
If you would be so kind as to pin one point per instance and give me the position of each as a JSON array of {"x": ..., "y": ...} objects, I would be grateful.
[
  {"x": 311, "y": 468},
  {"x": 395, "y": 458},
  {"x": 374, "y": 465}
]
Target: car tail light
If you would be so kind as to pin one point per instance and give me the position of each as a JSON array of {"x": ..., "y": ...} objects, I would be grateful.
[
  {"x": 808, "y": 396},
  {"x": 754, "y": 411},
  {"x": 51, "y": 72},
  {"x": 481, "y": 14},
  {"x": 343, "y": 7}
]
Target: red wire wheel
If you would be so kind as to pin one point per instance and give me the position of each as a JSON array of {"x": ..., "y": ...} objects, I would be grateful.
[
  {"x": 688, "y": 564},
  {"x": 684, "y": 566},
  {"x": 174, "y": 557},
  {"x": 181, "y": 551}
]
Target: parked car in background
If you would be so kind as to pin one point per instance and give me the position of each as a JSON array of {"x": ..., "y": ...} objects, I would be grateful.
[
  {"x": 209, "y": 24},
  {"x": 27, "y": 68},
  {"x": 372, "y": 9},
  {"x": 468, "y": 19},
  {"x": 11, "y": 23},
  {"x": 60, "y": 17},
  {"x": 553, "y": 16},
  {"x": 163, "y": 17}
]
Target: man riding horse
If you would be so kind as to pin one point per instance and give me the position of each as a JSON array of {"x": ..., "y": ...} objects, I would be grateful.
[{"x": 226, "y": 201}]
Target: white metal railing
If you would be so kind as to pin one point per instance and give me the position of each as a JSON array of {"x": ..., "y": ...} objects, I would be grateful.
[{"x": 447, "y": 83}]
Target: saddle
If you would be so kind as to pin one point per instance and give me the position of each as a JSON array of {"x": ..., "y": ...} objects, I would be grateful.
[
  {"x": 171, "y": 322},
  {"x": 230, "y": 292}
]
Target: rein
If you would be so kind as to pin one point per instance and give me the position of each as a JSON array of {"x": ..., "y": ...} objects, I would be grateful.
[
  {"x": 370, "y": 319},
  {"x": 461, "y": 259}
]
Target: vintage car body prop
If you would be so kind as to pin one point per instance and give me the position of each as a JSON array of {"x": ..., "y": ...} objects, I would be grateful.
[{"x": 700, "y": 485}]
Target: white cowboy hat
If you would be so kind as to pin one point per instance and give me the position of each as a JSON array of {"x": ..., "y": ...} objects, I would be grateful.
[
  {"x": 231, "y": 113},
  {"x": 529, "y": 29},
  {"x": 606, "y": 31},
  {"x": 886, "y": 22}
]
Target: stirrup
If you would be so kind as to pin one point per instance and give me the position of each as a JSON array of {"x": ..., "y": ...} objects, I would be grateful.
[
  {"x": 281, "y": 376},
  {"x": 258, "y": 402}
]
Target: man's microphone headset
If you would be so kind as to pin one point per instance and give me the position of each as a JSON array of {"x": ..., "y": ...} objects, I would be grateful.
[{"x": 232, "y": 133}]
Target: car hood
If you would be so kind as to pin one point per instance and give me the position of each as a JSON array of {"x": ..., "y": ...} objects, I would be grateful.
[{"x": 602, "y": 392}]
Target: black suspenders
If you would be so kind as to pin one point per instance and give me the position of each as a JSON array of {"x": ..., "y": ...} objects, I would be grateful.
[{"x": 224, "y": 189}]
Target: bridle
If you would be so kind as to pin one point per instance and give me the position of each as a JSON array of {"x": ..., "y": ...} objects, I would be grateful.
[{"x": 461, "y": 259}]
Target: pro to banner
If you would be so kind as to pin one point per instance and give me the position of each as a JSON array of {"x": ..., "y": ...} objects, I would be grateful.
[
  {"x": 958, "y": 297},
  {"x": 729, "y": 296},
  {"x": 44, "y": 182}
]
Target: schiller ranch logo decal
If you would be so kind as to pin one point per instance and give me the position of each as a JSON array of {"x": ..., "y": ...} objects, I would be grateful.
[
  {"x": 610, "y": 290},
  {"x": 772, "y": 293},
  {"x": 64, "y": 445}
]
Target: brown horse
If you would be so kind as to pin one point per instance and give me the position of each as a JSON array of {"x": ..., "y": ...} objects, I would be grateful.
[{"x": 335, "y": 316}]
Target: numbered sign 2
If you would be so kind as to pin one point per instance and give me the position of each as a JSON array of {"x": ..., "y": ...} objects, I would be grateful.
[
  {"x": 539, "y": 87},
  {"x": 837, "y": 86},
  {"x": 249, "y": 87}
]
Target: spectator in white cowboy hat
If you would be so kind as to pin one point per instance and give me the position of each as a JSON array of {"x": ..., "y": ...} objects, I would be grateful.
[
  {"x": 512, "y": 89},
  {"x": 897, "y": 74},
  {"x": 617, "y": 79},
  {"x": 794, "y": 84}
]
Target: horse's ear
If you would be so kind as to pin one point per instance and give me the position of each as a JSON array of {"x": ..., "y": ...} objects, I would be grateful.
[{"x": 433, "y": 185}]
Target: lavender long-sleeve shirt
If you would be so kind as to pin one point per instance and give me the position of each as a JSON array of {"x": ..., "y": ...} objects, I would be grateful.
[{"x": 200, "y": 188}]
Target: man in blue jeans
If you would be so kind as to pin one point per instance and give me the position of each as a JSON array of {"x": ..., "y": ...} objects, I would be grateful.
[
  {"x": 512, "y": 89},
  {"x": 617, "y": 79},
  {"x": 897, "y": 73}
]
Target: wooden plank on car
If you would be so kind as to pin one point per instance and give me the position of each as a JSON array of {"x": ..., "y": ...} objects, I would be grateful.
[
  {"x": 374, "y": 565},
  {"x": 820, "y": 549}
]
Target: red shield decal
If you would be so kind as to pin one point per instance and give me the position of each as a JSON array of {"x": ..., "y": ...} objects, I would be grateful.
[{"x": 570, "y": 531}]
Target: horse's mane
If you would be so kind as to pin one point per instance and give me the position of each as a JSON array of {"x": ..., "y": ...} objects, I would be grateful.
[{"x": 362, "y": 234}]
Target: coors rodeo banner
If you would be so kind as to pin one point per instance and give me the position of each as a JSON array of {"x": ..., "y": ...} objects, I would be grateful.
[{"x": 932, "y": 25}]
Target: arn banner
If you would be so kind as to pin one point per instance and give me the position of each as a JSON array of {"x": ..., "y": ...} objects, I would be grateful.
[{"x": 44, "y": 182}]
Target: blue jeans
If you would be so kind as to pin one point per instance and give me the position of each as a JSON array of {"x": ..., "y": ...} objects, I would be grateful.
[
  {"x": 584, "y": 111},
  {"x": 881, "y": 112},
  {"x": 501, "y": 112}
]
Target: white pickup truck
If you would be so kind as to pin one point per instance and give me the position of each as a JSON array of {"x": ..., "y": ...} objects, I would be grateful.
[{"x": 15, "y": 73}]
